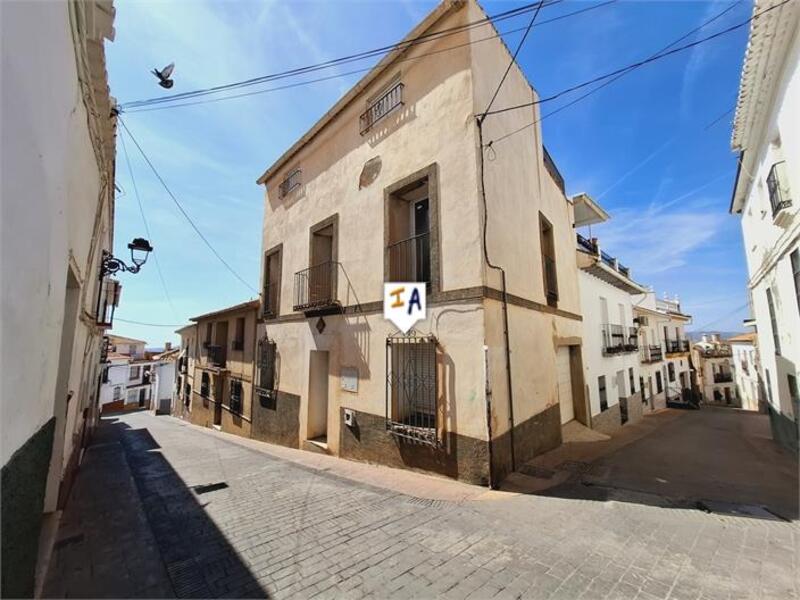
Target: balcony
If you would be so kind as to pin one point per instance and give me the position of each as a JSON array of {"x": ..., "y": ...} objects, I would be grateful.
[
  {"x": 385, "y": 104},
  {"x": 587, "y": 244},
  {"x": 778, "y": 186},
  {"x": 717, "y": 352},
  {"x": 591, "y": 246},
  {"x": 676, "y": 346},
  {"x": 315, "y": 288},
  {"x": 652, "y": 354},
  {"x": 723, "y": 377},
  {"x": 410, "y": 259},
  {"x": 215, "y": 355},
  {"x": 618, "y": 339}
]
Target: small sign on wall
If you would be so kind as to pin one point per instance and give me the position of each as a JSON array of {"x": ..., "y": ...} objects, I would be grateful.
[{"x": 349, "y": 377}]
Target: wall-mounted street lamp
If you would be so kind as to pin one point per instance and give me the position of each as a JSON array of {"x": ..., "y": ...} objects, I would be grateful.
[
  {"x": 139, "y": 248},
  {"x": 110, "y": 289}
]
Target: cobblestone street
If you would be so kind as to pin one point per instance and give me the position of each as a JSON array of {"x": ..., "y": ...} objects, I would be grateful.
[{"x": 162, "y": 508}]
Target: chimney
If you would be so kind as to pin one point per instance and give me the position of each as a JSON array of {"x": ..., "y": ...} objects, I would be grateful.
[
  {"x": 705, "y": 338},
  {"x": 167, "y": 346}
]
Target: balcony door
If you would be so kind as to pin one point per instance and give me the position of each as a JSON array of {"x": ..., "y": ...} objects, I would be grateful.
[
  {"x": 322, "y": 255},
  {"x": 409, "y": 234}
]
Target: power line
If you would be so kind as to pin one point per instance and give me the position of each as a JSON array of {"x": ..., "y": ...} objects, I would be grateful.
[
  {"x": 722, "y": 318},
  {"x": 638, "y": 64},
  {"x": 511, "y": 62},
  {"x": 121, "y": 320},
  {"x": 620, "y": 75},
  {"x": 344, "y": 59},
  {"x": 183, "y": 212},
  {"x": 146, "y": 226},
  {"x": 149, "y": 108}
]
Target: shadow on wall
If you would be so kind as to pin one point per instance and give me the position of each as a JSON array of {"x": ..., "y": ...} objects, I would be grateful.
[
  {"x": 785, "y": 429},
  {"x": 199, "y": 559}
]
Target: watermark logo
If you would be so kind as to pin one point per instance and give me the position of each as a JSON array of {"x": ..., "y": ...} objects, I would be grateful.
[{"x": 404, "y": 304}]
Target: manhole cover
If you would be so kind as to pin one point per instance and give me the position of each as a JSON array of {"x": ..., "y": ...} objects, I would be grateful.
[
  {"x": 210, "y": 487},
  {"x": 534, "y": 471},
  {"x": 731, "y": 509}
]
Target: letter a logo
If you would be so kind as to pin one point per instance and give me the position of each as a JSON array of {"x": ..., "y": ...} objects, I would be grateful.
[{"x": 404, "y": 304}]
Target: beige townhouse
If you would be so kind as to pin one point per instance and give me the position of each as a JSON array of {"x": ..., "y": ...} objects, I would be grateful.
[
  {"x": 224, "y": 348},
  {"x": 397, "y": 182}
]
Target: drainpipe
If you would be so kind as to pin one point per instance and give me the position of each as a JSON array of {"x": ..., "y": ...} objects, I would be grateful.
[
  {"x": 488, "y": 395},
  {"x": 489, "y": 263}
]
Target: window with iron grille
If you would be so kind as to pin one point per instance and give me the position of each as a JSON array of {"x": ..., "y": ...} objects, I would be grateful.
[
  {"x": 381, "y": 106},
  {"x": 134, "y": 373},
  {"x": 236, "y": 396},
  {"x": 631, "y": 380},
  {"x": 290, "y": 183},
  {"x": 777, "y": 184},
  {"x": 272, "y": 282},
  {"x": 266, "y": 373},
  {"x": 411, "y": 388},
  {"x": 671, "y": 371},
  {"x": 601, "y": 387},
  {"x": 659, "y": 383},
  {"x": 205, "y": 385}
]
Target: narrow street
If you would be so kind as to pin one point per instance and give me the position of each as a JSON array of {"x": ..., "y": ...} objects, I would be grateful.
[{"x": 161, "y": 508}]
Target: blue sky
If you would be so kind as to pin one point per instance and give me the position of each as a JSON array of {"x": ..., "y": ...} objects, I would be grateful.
[{"x": 639, "y": 145}]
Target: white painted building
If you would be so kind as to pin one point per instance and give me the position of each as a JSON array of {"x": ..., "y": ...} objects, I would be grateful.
[
  {"x": 713, "y": 360},
  {"x": 163, "y": 380},
  {"x": 58, "y": 152},
  {"x": 610, "y": 338},
  {"x": 766, "y": 135},
  {"x": 745, "y": 361}
]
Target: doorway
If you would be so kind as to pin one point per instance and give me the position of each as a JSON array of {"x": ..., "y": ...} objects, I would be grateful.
[
  {"x": 564, "y": 379},
  {"x": 317, "y": 428},
  {"x": 321, "y": 272}
]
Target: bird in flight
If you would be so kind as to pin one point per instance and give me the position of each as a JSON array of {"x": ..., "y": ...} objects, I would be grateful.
[{"x": 164, "y": 75}]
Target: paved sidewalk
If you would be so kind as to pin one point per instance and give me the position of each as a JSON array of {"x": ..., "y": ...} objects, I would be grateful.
[{"x": 229, "y": 520}]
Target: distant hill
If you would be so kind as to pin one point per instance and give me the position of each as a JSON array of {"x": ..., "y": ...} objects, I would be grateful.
[{"x": 696, "y": 336}]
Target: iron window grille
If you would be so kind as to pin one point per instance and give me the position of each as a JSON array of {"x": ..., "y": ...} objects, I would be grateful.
[
  {"x": 412, "y": 408},
  {"x": 381, "y": 107},
  {"x": 266, "y": 361},
  {"x": 779, "y": 197},
  {"x": 205, "y": 385},
  {"x": 290, "y": 183},
  {"x": 236, "y": 396}
]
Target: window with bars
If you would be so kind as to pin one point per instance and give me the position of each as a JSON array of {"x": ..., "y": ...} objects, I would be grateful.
[
  {"x": 134, "y": 373},
  {"x": 381, "y": 106},
  {"x": 236, "y": 393},
  {"x": 659, "y": 383},
  {"x": 265, "y": 361},
  {"x": 671, "y": 371},
  {"x": 776, "y": 338},
  {"x": 412, "y": 388},
  {"x": 289, "y": 183},
  {"x": 205, "y": 385},
  {"x": 601, "y": 386}
]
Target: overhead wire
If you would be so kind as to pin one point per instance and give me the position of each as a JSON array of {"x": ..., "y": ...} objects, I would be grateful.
[
  {"x": 403, "y": 45},
  {"x": 638, "y": 64},
  {"x": 121, "y": 320},
  {"x": 617, "y": 77},
  {"x": 146, "y": 225},
  {"x": 182, "y": 210},
  {"x": 149, "y": 108}
]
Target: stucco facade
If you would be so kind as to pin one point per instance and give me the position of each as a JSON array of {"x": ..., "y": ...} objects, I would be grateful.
[
  {"x": 715, "y": 368},
  {"x": 57, "y": 218},
  {"x": 347, "y": 205},
  {"x": 222, "y": 394},
  {"x": 749, "y": 389},
  {"x": 767, "y": 137}
]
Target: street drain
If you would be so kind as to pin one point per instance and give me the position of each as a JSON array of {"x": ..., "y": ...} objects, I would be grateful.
[
  {"x": 209, "y": 487},
  {"x": 730, "y": 509}
]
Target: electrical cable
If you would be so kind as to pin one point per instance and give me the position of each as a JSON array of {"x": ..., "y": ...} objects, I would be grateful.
[
  {"x": 423, "y": 38},
  {"x": 149, "y": 108},
  {"x": 146, "y": 226},
  {"x": 638, "y": 64},
  {"x": 183, "y": 211},
  {"x": 620, "y": 75},
  {"x": 121, "y": 320}
]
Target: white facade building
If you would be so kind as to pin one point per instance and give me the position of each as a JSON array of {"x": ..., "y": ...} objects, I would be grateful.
[
  {"x": 745, "y": 361},
  {"x": 58, "y": 151},
  {"x": 713, "y": 360},
  {"x": 610, "y": 338},
  {"x": 767, "y": 136}
]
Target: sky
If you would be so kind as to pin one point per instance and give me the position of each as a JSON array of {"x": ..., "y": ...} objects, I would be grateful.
[{"x": 644, "y": 146}]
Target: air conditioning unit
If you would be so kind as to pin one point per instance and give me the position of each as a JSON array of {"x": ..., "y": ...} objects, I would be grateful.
[{"x": 641, "y": 320}]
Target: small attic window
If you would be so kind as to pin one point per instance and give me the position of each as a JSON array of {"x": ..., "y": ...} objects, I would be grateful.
[{"x": 290, "y": 183}]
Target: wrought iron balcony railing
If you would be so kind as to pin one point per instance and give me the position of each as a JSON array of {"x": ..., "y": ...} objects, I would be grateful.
[
  {"x": 410, "y": 259},
  {"x": 718, "y": 352},
  {"x": 723, "y": 377},
  {"x": 587, "y": 244},
  {"x": 386, "y": 103},
  {"x": 619, "y": 338},
  {"x": 777, "y": 184},
  {"x": 315, "y": 287},
  {"x": 215, "y": 355},
  {"x": 676, "y": 346},
  {"x": 651, "y": 354}
]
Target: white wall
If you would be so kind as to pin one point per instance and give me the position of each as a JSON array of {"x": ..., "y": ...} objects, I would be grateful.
[{"x": 117, "y": 377}]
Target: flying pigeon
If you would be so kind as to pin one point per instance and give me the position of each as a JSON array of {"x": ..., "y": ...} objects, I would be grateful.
[{"x": 164, "y": 74}]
